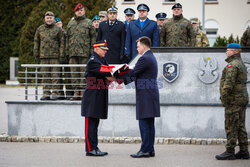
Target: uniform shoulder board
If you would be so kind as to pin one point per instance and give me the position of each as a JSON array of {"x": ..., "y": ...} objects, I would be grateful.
[
  {"x": 229, "y": 65},
  {"x": 92, "y": 58}
]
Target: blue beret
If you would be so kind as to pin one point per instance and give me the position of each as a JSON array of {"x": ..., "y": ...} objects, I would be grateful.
[
  {"x": 178, "y": 5},
  {"x": 143, "y": 7},
  {"x": 96, "y": 18},
  {"x": 57, "y": 19},
  {"x": 160, "y": 16},
  {"x": 113, "y": 9},
  {"x": 129, "y": 11},
  {"x": 234, "y": 46}
]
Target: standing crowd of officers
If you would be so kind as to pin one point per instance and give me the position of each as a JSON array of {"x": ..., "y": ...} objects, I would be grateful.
[{"x": 55, "y": 45}]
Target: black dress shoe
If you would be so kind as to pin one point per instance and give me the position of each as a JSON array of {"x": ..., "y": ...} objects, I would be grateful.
[
  {"x": 226, "y": 156},
  {"x": 152, "y": 154},
  {"x": 140, "y": 154},
  {"x": 242, "y": 155},
  {"x": 96, "y": 152},
  {"x": 45, "y": 98},
  {"x": 61, "y": 98}
]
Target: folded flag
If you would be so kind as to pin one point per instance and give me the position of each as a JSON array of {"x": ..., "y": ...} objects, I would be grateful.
[
  {"x": 116, "y": 69},
  {"x": 105, "y": 68}
]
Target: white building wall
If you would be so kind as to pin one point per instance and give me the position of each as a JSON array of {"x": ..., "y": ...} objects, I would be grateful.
[{"x": 231, "y": 15}]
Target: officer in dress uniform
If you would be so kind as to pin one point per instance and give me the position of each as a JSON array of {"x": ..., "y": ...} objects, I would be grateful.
[
  {"x": 160, "y": 17},
  {"x": 138, "y": 28},
  {"x": 113, "y": 31},
  {"x": 129, "y": 15},
  {"x": 95, "y": 98}
]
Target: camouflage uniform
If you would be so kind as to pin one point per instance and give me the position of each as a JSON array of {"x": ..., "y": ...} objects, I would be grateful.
[
  {"x": 48, "y": 49},
  {"x": 245, "y": 39},
  {"x": 67, "y": 75},
  {"x": 234, "y": 98},
  {"x": 79, "y": 45},
  {"x": 177, "y": 31},
  {"x": 201, "y": 39}
]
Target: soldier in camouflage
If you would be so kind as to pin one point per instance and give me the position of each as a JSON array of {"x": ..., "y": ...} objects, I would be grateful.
[
  {"x": 95, "y": 24},
  {"x": 245, "y": 39},
  {"x": 48, "y": 49},
  {"x": 79, "y": 45},
  {"x": 201, "y": 37},
  {"x": 234, "y": 98},
  {"x": 67, "y": 75},
  {"x": 177, "y": 31}
]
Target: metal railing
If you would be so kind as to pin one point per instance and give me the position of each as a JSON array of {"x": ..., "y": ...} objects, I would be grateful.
[{"x": 33, "y": 77}]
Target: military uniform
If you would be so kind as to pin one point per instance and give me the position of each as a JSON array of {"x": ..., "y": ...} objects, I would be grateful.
[
  {"x": 114, "y": 33},
  {"x": 48, "y": 49},
  {"x": 96, "y": 29},
  {"x": 245, "y": 39},
  {"x": 69, "y": 92},
  {"x": 201, "y": 39},
  {"x": 137, "y": 29},
  {"x": 94, "y": 104},
  {"x": 177, "y": 32},
  {"x": 234, "y": 97},
  {"x": 79, "y": 44}
]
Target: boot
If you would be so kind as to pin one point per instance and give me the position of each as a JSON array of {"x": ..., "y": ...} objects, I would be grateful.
[
  {"x": 54, "y": 97},
  {"x": 226, "y": 156},
  {"x": 76, "y": 96},
  {"x": 45, "y": 98},
  {"x": 242, "y": 155}
]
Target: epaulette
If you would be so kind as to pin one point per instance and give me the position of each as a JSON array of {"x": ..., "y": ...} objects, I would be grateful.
[{"x": 92, "y": 58}]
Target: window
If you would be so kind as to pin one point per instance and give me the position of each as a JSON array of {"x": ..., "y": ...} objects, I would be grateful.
[
  {"x": 211, "y": 0},
  {"x": 169, "y": 0},
  {"x": 129, "y": 0},
  {"x": 211, "y": 27}
]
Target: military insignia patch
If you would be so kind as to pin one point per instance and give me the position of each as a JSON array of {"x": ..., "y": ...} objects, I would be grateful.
[{"x": 170, "y": 71}]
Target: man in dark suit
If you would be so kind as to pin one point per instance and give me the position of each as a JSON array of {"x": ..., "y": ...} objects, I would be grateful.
[
  {"x": 95, "y": 98},
  {"x": 113, "y": 31},
  {"x": 138, "y": 28},
  {"x": 147, "y": 95}
]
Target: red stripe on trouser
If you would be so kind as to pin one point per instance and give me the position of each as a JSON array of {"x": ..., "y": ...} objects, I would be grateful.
[{"x": 86, "y": 132}]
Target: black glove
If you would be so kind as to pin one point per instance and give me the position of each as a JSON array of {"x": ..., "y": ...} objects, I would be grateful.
[
  {"x": 121, "y": 70},
  {"x": 117, "y": 74},
  {"x": 124, "y": 68}
]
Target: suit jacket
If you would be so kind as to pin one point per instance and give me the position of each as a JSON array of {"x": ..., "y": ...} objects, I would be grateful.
[
  {"x": 95, "y": 97},
  {"x": 115, "y": 38},
  {"x": 147, "y": 93},
  {"x": 134, "y": 31}
]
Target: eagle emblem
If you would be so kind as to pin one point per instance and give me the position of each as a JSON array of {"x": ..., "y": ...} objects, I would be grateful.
[{"x": 208, "y": 74}]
